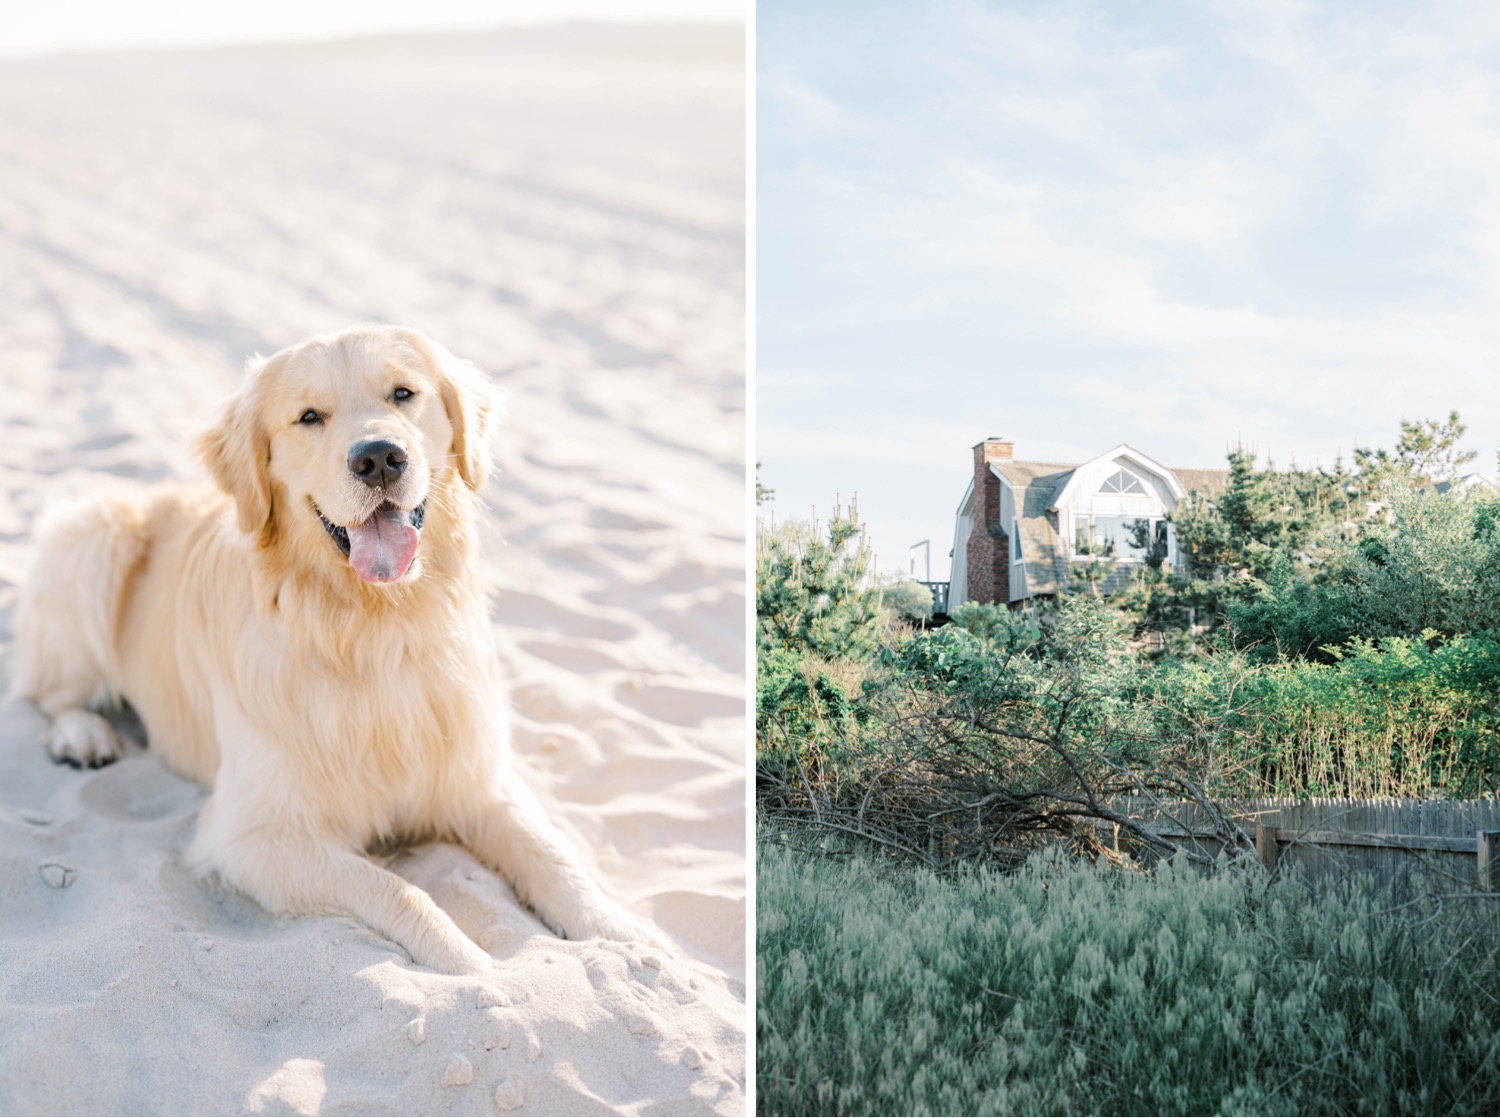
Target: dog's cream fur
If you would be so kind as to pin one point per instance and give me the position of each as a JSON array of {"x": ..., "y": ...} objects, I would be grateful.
[{"x": 326, "y": 713}]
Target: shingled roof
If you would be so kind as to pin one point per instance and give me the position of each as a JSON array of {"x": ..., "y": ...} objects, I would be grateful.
[{"x": 1206, "y": 482}]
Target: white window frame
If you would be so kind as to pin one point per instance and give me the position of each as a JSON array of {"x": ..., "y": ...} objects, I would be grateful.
[
  {"x": 1119, "y": 469},
  {"x": 1158, "y": 522}
]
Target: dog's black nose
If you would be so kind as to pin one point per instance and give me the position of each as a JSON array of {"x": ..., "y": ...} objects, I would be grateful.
[{"x": 377, "y": 463}]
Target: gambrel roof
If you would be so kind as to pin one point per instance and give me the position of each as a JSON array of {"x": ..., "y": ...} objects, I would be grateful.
[{"x": 1124, "y": 454}]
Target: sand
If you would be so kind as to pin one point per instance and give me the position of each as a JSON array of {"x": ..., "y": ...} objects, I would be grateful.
[{"x": 564, "y": 207}]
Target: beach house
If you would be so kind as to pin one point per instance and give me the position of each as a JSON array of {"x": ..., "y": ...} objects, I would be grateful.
[{"x": 1024, "y": 528}]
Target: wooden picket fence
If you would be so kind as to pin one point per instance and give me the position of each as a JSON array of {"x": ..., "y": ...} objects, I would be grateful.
[{"x": 1327, "y": 838}]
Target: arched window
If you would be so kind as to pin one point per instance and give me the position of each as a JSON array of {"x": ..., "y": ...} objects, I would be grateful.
[{"x": 1122, "y": 481}]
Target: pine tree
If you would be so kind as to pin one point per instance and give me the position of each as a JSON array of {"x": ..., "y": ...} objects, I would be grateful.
[
  {"x": 1426, "y": 452},
  {"x": 813, "y": 592}
]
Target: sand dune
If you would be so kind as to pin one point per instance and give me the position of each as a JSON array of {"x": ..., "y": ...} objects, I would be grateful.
[{"x": 565, "y": 208}]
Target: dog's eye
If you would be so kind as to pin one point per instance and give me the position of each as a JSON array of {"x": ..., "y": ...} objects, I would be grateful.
[
  {"x": 310, "y": 417},
  {"x": 402, "y": 394}
]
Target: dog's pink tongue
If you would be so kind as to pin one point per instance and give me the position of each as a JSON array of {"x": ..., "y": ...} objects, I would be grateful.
[{"x": 383, "y": 547}]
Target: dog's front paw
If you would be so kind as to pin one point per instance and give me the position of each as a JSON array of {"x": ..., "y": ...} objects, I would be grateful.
[
  {"x": 605, "y": 920},
  {"x": 455, "y": 955},
  {"x": 81, "y": 737}
]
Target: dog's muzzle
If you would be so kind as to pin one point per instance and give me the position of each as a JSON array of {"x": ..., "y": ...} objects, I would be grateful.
[{"x": 381, "y": 548}]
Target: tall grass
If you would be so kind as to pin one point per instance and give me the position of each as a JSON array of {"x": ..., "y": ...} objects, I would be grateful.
[
  {"x": 1072, "y": 989},
  {"x": 1398, "y": 719}
]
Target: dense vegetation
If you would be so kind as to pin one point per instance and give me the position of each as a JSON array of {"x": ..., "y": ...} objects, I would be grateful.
[
  {"x": 1068, "y": 989},
  {"x": 1334, "y": 633}
]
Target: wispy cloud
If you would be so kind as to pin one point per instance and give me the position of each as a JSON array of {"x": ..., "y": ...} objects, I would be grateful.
[{"x": 1273, "y": 222}]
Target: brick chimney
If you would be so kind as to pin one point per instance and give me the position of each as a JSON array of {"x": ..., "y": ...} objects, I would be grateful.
[
  {"x": 987, "y": 557},
  {"x": 997, "y": 449}
]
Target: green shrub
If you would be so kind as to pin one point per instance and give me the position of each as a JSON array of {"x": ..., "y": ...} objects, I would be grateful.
[
  {"x": 1435, "y": 565},
  {"x": 907, "y": 599},
  {"x": 1396, "y": 717}
]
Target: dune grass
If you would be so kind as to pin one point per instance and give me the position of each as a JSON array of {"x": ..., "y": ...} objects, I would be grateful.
[{"x": 1067, "y": 988}]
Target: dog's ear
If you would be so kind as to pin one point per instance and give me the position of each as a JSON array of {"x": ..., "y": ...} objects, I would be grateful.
[
  {"x": 237, "y": 452},
  {"x": 470, "y": 401}
]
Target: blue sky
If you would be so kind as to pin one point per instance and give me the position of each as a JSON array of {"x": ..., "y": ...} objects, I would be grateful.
[{"x": 1178, "y": 225}]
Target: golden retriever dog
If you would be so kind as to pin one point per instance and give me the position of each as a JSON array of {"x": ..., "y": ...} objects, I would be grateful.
[{"x": 310, "y": 641}]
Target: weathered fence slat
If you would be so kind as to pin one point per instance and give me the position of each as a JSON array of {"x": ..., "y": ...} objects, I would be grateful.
[
  {"x": 1488, "y": 844},
  {"x": 1380, "y": 835},
  {"x": 1389, "y": 841},
  {"x": 1265, "y": 834},
  {"x": 1265, "y": 844}
]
